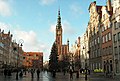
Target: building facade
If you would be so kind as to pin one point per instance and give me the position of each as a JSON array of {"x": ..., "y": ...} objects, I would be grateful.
[
  {"x": 9, "y": 58},
  {"x": 16, "y": 55},
  {"x": 116, "y": 35},
  {"x": 106, "y": 31},
  {"x": 33, "y": 60},
  {"x": 84, "y": 55},
  {"x": 5, "y": 40},
  {"x": 95, "y": 57}
]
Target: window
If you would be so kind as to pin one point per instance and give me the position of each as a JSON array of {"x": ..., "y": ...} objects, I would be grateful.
[
  {"x": 96, "y": 66},
  {"x": 109, "y": 25},
  {"x": 94, "y": 53},
  {"x": 91, "y": 56},
  {"x": 119, "y": 52},
  {"x": 95, "y": 42},
  {"x": 115, "y": 25},
  {"x": 99, "y": 65},
  {"x": 110, "y": 49},
  {"x": 90, "y": 44},
  {"x": 93, "y": 66},
  {"x": 115, "y": 38},
  {"x": 119, "y": 36},
  {"x": 119, "y": 24},
  {"x": 106, "y": 37},
  {"x": 109, "y": 36},
  {"x": 98, "y": 52},
  {"x": 111, "y": 66},
  {"x": 98, "y": 40},
  {"x": 106, "y": 51},
  {"x": 115, "y": 50},
  {"x": 103, "y": 28},
  {"x": 119, "y": 49},
  {"x": 103, "y": 39},
  {"x": 104, "y": 17},
  {"x": 103, "y": 51},
  {"x": 104, "y": 66},
  {"x": 94, "y": 31}
]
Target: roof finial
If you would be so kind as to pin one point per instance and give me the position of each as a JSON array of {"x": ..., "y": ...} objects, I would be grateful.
[
  {"x": 59, "y": 20},
  {"x": 59, "y": 12},
  {"x": 59, "y": 8}
]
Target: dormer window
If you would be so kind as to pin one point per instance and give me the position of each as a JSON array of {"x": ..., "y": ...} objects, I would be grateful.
[
  {"x": 103, "y": 28},
  {"x": 109, "y": 25},
  {"x": 104, "y": 17}
]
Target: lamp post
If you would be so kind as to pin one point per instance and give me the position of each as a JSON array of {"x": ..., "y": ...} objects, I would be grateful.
[
  {"x": 20, "y": 44},
  {"x": 85, "y": 65}
]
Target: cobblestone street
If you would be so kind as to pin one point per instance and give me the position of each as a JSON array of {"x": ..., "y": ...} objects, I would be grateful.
[{"x": 44, "y": 76}]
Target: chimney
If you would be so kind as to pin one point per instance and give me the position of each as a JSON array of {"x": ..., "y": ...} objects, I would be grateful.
[{"x": 109, "y": 7}]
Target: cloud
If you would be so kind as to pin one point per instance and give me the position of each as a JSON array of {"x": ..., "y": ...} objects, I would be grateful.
[
  {"x": 5, "y": 8},
  {"x": 4, "y": 26},
  {"x": 47, "y": 2},
  {"x": 31, "y": 42},
  {"x": 53, "y": 27},
  {"x": 76, "y": 9},
  {"x": 67, "y": 29}
]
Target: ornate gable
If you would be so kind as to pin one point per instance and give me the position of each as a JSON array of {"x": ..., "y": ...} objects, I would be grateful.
[
  {"x": 95, "y": 12},
  {"x": 105, "y": 17}
]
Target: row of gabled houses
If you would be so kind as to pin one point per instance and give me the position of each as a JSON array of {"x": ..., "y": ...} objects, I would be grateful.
[
  {"x": 12, "y": 54},
  {"x": 9, "y": 51},
  {"x": 99, "y": 47}
]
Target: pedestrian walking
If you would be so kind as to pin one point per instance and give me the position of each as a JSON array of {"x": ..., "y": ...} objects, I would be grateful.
[
  {"x": 71, "y": 74},
  {"x": 64, "y": 71},
  {"x": 21, "y": 74},
  {"x": 5, "y": 72},
  {"x": 77, "y": 74},
  {"x": 38, "y": 72},
  {"x": 9, "y": 73},
  {"x": 32, "y": 73},
  {"x": 54, "y": 73}
]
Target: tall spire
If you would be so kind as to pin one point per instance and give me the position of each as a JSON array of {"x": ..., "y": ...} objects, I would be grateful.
[{"x": 59, "y": 20}]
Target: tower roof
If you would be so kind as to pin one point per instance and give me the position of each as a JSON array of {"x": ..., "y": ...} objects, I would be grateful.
[{"x": 59, "y": 20}]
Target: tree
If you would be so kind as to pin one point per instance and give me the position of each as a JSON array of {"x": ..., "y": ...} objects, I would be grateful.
[{"x": 53, "y": 58}]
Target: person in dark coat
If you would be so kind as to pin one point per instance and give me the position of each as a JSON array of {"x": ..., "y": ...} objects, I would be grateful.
[
  {"x": 21, "y": 74},
  {"x": 5, "y": 72},
  {"x": 32, "y": 73},
  {"x": 71, "y": 74},
  {"x": 38, "y": 72},
  {"x": 9, "y": 73},
  {"x": 54, "y": 73}
]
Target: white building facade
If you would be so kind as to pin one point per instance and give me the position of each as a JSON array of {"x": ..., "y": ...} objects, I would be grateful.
[{"x": 116, "y": 35}]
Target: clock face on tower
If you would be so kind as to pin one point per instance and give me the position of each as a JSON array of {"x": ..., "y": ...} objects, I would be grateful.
[{"x": 59, "y": 32}]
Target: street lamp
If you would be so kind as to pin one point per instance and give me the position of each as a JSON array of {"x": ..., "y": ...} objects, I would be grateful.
[
  {"x": 85, "y": 64},
  {"x": 20, "y": 44}
]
